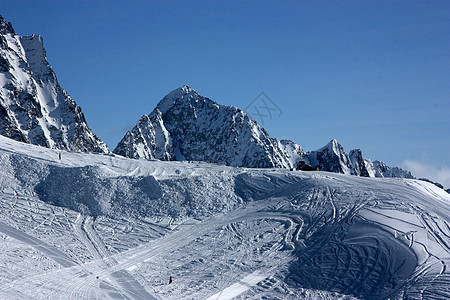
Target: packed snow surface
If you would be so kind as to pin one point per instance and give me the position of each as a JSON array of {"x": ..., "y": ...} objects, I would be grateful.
[{"x": 99, "y": 226}]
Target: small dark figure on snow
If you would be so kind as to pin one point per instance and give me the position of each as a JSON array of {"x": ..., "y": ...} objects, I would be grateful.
[
  {"x": 59, "y": 155},
  {"x": 170, "y": 279}
]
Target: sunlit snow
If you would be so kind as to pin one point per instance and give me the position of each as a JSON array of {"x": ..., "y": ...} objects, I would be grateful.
[{"x": 96, "y": 226}]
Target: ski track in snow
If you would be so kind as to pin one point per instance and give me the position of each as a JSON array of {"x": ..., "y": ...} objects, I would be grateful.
[
  {"x": 240, "y": 287},
  {"x": 345, "y": 231}
]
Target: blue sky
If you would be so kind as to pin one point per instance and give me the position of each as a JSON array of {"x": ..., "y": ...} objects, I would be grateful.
[{"x": 374, "y": 75}]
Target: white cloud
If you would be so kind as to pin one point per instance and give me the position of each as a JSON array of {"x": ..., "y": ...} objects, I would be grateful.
[{"x": 436, "y": 174}]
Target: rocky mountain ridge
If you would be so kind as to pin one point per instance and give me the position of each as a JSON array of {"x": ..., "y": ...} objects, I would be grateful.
[{"x": 187, "y": 126}]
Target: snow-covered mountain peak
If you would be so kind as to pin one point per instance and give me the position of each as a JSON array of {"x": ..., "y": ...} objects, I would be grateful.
[
  {"x": 180, "y": 94},
  {"x": 331, "y": 157},
  {"x": 191, "y": 127},
  {"x": 186, "y": 89},
  {"x": 33, "y": 106},
  {"x": 334, "y": 147}
]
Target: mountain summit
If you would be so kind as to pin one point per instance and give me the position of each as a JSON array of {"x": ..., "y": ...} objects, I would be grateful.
[
  {"x": 187, "y": 126},
  {"x": 33, "y": 106},
  {"x": 333, "y": 158}
]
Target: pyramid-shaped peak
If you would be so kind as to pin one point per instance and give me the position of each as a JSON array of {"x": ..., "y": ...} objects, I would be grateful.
[
  {"x": 333, "y": 144},
  {"x": 169, "y": 100}
]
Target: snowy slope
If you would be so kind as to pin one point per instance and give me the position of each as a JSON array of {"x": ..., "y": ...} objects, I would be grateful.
[
  {"x": 101, "y": 226},
  {"x": 33, "y": 106}
]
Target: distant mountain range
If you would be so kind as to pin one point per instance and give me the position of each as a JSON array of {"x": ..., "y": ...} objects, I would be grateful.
[
  {"x": 183, "y": 126},
  {"x": 187, "y": 126}
]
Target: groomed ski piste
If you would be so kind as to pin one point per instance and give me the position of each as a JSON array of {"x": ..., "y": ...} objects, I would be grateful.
[{"x": 99, "y": 226}]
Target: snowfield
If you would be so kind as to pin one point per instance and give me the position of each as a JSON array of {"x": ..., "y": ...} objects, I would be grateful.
[{"x": 99, "y": 226}]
